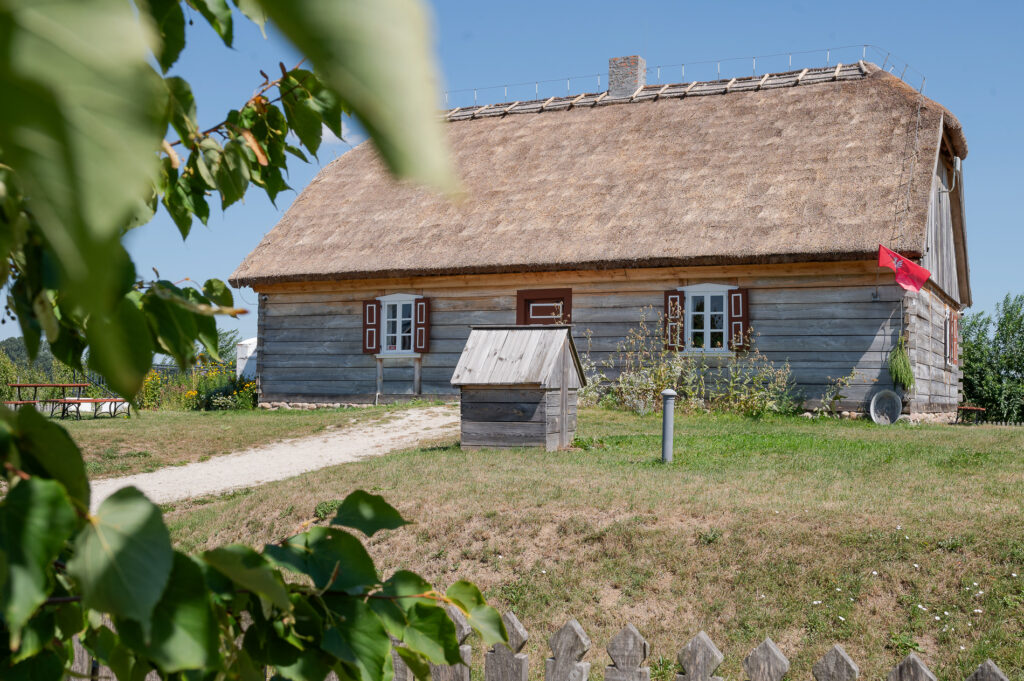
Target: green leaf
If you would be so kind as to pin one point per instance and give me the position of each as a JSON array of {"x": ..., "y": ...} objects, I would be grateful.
[
  {"x": 250, "y": 571},
  {"x": 392, "y": 612},
  {"x": 206, "y": 327},
  {"x": 181, "y": 109},
  {"x": 415, "y": 663},
  {"x": 185, "y": 633},
  {"x": 218, "y": 292},
  {"x": 218, "y": 15},
  {"x": 252, "y": 10},
  {"x": 307, "y": 105},
  {"x": 232, "y": 174},
  {"x": 173, "y": 326},
  {"x": 37, "y": 634},
  {"x": 120, "y": 347},
  {"x": 367, "y": 51},
  {"x": 47, "y": 450},
  {"x": 70, "y": 620},
  {"x": 84, "y": 129},
  {"x": 331, "y": 557},
  {"x": 368, "y": 513},
  {"x": 123, "y": 558},
  {"x": 37, "y": 519},
  {"x": 357, "y": 638},
  {"x": 308, "y": 665},
  {"x": 43, "y": 667},
  {"x": 431, "y": 633},
  {"x": 481, "y": 616},
  {"x": 170, "y": 23}
]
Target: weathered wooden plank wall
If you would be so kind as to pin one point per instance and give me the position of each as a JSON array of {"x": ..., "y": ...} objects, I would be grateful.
[
  {"x": 940, "y": 251},
  {"x": 938, "y": 385},
  {"x": 821, "y": 317}
]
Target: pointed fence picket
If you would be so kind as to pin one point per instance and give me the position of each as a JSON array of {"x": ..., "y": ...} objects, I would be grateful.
[
  {"x": 627, "y": 650},
  {"x": 699, "y": 659}
]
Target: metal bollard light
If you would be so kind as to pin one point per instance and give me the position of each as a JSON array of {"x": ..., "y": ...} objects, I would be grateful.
[{"x": 668, "y": 398}]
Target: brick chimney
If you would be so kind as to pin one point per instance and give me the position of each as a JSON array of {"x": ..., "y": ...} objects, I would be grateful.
[{"x": 625, "y": 75}]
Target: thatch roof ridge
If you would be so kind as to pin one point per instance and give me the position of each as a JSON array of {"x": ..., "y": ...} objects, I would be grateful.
[{"x": 782, "y": 174}]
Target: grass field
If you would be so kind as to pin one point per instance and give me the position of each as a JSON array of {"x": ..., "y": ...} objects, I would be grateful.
[
  {"x": 153, "y": 439},
  {"x": 885, "y": 540}
]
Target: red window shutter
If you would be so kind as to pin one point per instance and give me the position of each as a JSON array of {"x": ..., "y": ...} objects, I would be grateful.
[
  {"x": 675, "y": 305},
  {"x": 371, "y": 326},
  {"x": 739, "y": 319},
  {"x": 421, "y": 325}
]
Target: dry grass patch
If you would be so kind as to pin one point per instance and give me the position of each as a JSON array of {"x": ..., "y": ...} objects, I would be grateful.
[
  {"x": 811, "y": 532},
  {"x": 153, "y": 439}
]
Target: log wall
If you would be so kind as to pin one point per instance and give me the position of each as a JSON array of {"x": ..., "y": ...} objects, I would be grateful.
[
  {"x": 938, "y": 385},
  {"x": 821, "y": 317}
]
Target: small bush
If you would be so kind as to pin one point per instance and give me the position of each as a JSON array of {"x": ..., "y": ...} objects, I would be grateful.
[
  {"x": 708, "y": 537},
  {"x": 206, "y": 388},
  {"x": 744, "y": 382},
  {"x": 325, "y": 509}
]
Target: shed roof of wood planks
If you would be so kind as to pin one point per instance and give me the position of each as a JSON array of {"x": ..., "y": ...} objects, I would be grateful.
[{"x": 518, "y": 386}]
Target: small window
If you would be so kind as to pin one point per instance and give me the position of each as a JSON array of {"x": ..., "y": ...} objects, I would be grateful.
[
  {"x": 706, "y": 318},
  {"x": 397, "y": 312}
]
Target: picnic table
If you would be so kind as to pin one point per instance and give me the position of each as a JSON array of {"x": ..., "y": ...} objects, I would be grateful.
[
  {"x": 67, "y": 406},
  {"x": 965, "y": 414}
]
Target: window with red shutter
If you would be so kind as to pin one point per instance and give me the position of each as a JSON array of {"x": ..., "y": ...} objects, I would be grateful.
[
  {"x": 544, "y": 306},
  {"x": 371, "y": 326},
  {"x": 421, "y": 325}
]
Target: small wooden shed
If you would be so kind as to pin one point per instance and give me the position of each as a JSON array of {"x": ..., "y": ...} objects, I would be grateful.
[{"x": 518, "y": 386}]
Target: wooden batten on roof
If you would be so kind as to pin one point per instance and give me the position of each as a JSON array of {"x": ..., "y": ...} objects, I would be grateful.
[
  {"x": 788, "y": 167},
  {"x": 516, "y": 355}
]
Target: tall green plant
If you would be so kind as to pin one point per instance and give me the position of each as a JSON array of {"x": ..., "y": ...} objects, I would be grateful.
[
  {"x": 899, "y": 366},
  {"x": 93, "y": 141}
]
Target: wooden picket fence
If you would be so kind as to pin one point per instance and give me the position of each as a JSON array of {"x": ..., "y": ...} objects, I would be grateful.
[{"x": 628, "y": 650}]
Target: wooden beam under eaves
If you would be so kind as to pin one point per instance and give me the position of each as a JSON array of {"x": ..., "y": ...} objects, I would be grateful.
[
  {"x": 801, "y": 76},
  {"x": 764, "y": 79}
]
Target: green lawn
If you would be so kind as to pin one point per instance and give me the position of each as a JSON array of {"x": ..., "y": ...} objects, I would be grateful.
[
  {"x": 812, "y": 532},
  {"x": 154, "y": 439}
]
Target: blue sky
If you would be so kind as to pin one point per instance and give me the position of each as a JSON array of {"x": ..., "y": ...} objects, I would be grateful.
[{"x": 967, "y": 51}]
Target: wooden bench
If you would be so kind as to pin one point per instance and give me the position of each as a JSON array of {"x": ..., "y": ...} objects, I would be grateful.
[
  {"x": 965, "y": 414},
  {"x": 73, "y": 405}
]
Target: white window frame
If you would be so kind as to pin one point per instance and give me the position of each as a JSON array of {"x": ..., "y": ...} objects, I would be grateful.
[
  {"x": 689, "y": 292},
  {"x": 398, "y": 299}
]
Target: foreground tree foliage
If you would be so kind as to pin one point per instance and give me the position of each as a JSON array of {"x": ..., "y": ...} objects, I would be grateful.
[
  {"x": 993, "y": 359},
  {"x": 93, "y": 141}
]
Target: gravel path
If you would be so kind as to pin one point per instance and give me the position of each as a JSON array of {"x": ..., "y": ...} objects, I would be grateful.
[{"x": 284, "y": 459}]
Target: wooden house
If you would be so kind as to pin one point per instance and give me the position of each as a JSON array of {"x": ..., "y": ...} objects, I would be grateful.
[
  {"x": 518, "y": 386},
  {"x": 748, "y": 204}
]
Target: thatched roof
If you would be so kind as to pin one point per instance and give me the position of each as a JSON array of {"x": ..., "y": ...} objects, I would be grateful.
[{"x": 821, "y": 166}]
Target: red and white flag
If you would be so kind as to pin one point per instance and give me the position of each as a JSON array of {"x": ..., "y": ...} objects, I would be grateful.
[{"x": 909, "y": 275}]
